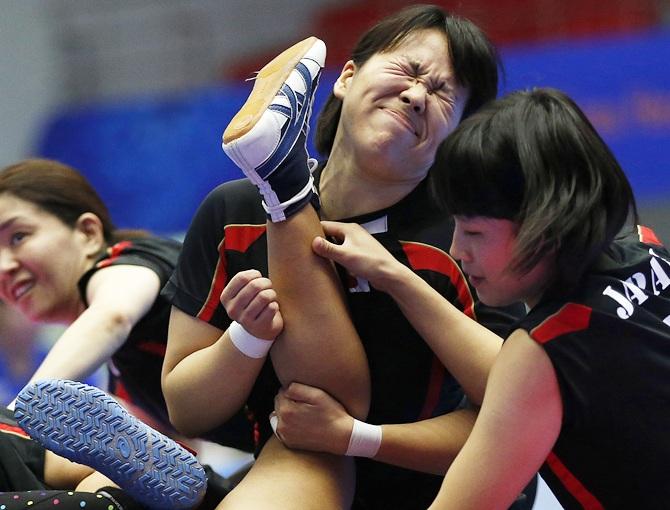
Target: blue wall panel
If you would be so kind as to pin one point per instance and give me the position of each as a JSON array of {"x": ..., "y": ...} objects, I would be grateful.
[{"x": 153, "y": 159}]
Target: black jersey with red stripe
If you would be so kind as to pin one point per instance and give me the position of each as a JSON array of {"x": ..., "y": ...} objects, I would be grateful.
[
  {"x": 135, "y": 372},
  {"x": 609, "y": 344},
  {"x": 227, "y": 235}
]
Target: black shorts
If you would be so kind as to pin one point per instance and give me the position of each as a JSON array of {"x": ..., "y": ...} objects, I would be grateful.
[{"x": 21, "y": 458}]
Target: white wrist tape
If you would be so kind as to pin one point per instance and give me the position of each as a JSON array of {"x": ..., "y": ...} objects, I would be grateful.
[
  {"x": 246, "y": 343},
  {"x": 365, "y": 440}
]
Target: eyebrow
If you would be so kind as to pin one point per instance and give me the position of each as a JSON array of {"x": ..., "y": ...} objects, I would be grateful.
[
  {"x": 8, "y": 223},
  {"x": 419, "y": 67}
]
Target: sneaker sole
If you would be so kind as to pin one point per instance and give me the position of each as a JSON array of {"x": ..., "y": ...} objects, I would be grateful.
[
  {"x": 268, "y": 81},
  {"x": 84, "y": 425}
]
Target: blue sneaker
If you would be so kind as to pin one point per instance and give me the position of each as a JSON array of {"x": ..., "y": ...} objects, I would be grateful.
[
  {"x": 87, "y": 426},
  {"x": 267, "y": 137}
]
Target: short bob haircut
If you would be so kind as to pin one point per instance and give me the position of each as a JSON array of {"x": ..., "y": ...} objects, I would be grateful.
[
  {"x": 534, "y": 158},
  {"x": 474, "y": 58}
]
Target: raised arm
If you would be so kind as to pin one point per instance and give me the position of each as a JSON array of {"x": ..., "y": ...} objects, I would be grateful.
[
  {"x": 201, "y": 360},
  {"x": 118, "y": 297},
  {"x": 465, "y": 348}
]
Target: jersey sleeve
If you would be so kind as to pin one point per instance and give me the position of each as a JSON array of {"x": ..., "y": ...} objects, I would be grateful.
[
  {"x": 199, "y": 264},
  {"x": 205, "y": 263},
  {"x": 158, "y": 254}
]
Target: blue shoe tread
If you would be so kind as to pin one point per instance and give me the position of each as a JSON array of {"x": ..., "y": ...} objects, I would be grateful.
[{"x": 87, "y": 426}]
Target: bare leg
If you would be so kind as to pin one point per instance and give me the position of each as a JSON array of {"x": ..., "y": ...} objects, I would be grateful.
[
  {"x": 282, "y": 478},
  {"x": 94, "y": 482},
  {"x": 319, "y": 345},
  {"x": 60, "y": 473},
  {"x": 266, "y": 139}
]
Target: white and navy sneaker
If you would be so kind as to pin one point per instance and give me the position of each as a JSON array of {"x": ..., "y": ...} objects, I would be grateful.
[
  {"x": 267, "y": 137},
  {"x": 87, "y": 426}
]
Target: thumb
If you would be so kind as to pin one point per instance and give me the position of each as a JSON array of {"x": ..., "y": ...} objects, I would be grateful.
[
  {"x": 301, "y": 393},
  {"x": 326, "y": 249}
]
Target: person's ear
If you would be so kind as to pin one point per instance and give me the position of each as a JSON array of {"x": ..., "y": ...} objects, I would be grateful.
[
  {"x": 91, "y": 233},
  {"x": 344, "y": 80}
]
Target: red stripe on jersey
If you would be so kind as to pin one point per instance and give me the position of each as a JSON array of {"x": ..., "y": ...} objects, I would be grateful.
[
  {"x": 572, "y": 484},
  {"x": 425, "y": 257},
  {"x": 10, "y": 429},
  {"x": 569, "y": 319},
  {"x": 156, "y": 348},
  {"x": 240, "y": 237},
  {"x": 120, "y": 390},
  {"x": 218, "y": 283},
  {"x": 648, "y": 236},
  {"x": 113, "y": 253},
  {"x": 236, "y": 238},
  {"x": 434, "y": 389}
]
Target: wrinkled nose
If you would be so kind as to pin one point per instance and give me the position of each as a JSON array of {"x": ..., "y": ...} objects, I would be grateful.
[{"x": 415, "y": 97}]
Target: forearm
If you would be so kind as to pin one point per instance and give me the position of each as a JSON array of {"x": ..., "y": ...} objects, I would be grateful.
[
  {"x": 464, "y": 347},
  {"x": 430, "y": 445},
  {"x": 85, "y": 345},
  {"x": 209, "y": 385}
]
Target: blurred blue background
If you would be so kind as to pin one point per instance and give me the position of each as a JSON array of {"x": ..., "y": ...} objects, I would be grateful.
[{"x": 154, "y": 158}]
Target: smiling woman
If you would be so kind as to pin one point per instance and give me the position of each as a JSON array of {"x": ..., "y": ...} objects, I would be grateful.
[
  {"x": 42, "y": 259},
  {"x": 63, "y": 261}
]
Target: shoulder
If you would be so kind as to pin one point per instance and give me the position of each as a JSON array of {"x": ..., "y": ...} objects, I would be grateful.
[
  {"x": 417, "y": 218},
  {"x": 550, "y": 321},
  {"x": 631, "y": 281},
  {"x": 231, "y": 202},
  {"x": 132, "y": 250}
]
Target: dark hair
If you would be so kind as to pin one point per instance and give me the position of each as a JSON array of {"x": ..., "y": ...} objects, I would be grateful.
[
  {"x": 59, "y": 190},
  {"x": 474, "y": 58},
  {"x": 534, "y": 158}
]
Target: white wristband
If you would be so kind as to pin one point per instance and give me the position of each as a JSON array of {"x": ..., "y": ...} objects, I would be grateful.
[
  {"x": 246, "y": 343},
  {"x": 365, "y": 440}
]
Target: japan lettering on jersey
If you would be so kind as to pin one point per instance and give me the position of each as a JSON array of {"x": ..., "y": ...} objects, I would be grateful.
[{"x": 635, "y": 291}]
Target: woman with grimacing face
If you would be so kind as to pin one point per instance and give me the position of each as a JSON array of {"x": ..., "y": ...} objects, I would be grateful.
[
  {"x": 410, "y": 80},
  {"x": 397, "y": 107}
]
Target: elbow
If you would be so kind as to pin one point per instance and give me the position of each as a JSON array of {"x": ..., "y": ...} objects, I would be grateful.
[
  {"x": 120, "y": 323},
  {"x": 186, "y": 427},
  {"x": 180, "y": 413},
  {"x": 177, "y": 413}
]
